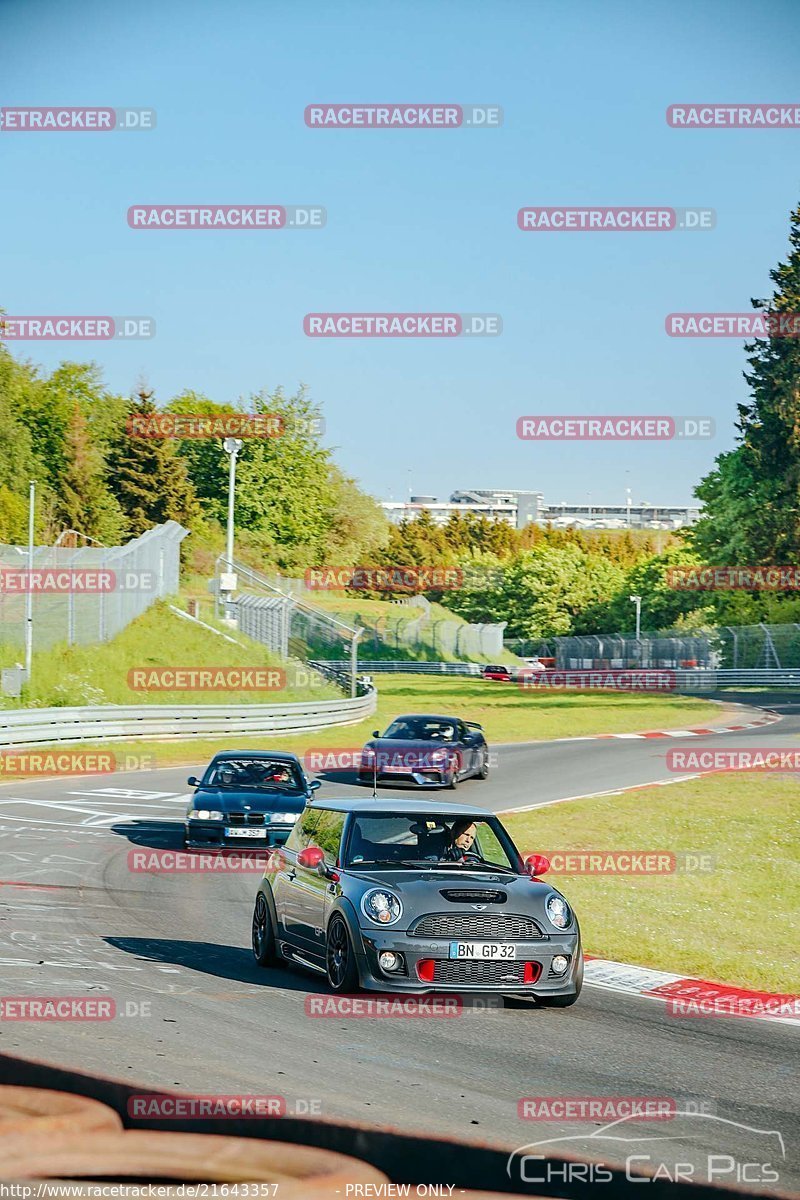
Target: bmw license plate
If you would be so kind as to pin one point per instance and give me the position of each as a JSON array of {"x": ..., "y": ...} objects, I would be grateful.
[
  {"x": 482, "y": 950},
  {"x": 256, "y": 833}
]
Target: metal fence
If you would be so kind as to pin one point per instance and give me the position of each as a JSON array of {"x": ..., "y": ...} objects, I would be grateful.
[
  {"x": 734, "y": 647},
  {"x": 132, "y": 578},
  {"x": 48, "y": 726}
]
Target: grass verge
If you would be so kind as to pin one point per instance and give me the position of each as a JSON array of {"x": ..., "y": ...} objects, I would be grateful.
[
  {"x": 735, "y": 924},
  {"x": 507, "y": 713}
]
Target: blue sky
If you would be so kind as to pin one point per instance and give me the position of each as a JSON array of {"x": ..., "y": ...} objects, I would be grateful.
[{"x": 417, "y": 220}]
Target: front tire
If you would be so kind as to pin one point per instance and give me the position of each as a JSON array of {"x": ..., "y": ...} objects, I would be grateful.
[
  {"x": 340, "y": 959},
  {"x": 483, "y": 772},
  {"x": 263, "y": 935}
]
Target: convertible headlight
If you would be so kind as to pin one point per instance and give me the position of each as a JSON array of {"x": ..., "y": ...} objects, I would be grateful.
[
  {"x": 559, "y": 912},
  {"x": 283, "y": 818},
  {"x": 382, "y": 907},
  {"x": 205, "y": 814}
]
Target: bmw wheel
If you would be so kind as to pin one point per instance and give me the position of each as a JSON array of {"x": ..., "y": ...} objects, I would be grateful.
[
  {"x": 340, "y": 959},
  {"x": 263, "y": 934}
]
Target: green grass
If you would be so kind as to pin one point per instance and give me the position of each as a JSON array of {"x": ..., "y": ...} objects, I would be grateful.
[
  {"x": 737, "y": 924},
  {"x": 507, "y": 715},
  {"x": 98, "y": 674}
]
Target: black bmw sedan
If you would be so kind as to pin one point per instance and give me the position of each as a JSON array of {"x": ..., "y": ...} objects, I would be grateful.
[{"x": 247, "y": 798}]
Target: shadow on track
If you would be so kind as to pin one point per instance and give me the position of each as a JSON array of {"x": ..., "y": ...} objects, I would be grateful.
[
  {"x": 233, "y": 963},
  {"x": 160, "y": 835}
]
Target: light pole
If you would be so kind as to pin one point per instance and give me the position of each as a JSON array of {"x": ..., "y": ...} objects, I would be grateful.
[
  {"x": 28, "y": 590},
  {"x": 628, "y": 505},
  {"x": 231, "y": 446},
  {"x": 637, "y": 600}
]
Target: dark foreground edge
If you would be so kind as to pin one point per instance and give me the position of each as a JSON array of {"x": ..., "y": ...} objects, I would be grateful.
[{"x": 403, "y": 1157}]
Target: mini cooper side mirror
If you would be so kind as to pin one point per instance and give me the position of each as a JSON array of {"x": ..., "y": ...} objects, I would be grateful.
[
  {"x": 193, "y": 781},
  {"x": 314, "y": 785},
  {"x": 310, "y": 858},
  {"x": 536, "y": 865}
]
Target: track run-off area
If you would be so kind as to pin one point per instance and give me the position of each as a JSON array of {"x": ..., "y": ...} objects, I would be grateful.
[{"x": 195, "y": 1014}]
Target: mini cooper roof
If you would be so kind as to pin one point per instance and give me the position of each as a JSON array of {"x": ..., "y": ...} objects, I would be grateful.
[
  {"x": 272, "y": 755},
  {"x": 389, "y": 807}
]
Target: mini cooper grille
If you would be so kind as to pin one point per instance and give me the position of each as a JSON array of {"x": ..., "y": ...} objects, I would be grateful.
[
  {"x": 473, "y": 895},
  {"x": 492, "y": 926},
  {"x": 455, "y": 971}
]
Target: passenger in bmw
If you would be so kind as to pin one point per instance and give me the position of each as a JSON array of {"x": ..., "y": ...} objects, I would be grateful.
[{"x": 462, "y": 838}]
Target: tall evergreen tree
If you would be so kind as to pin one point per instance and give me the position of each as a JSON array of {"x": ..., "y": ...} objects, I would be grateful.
[
  {"x": 148, "y": 477},
  {"x": 83, "y": 500},
  {"x": 752, "y": 498}
]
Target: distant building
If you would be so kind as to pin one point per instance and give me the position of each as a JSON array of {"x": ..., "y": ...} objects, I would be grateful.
[{"x": 521, "y": 508}]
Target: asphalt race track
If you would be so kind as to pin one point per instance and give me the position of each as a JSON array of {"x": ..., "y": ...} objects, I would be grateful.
[{"x": 195, "y": 1013}]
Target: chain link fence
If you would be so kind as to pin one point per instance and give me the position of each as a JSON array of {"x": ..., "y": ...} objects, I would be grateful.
[
  {"x": 413, "y": 633},
  {"x": 89, "y": 594},
  {"x": 734, "y": 647}
]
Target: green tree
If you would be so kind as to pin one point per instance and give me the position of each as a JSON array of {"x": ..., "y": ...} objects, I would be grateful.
[
  {"x": 83, "y": 500},
  {"x": 148, "y": 477},
  {"x": 751, "y": 500}
]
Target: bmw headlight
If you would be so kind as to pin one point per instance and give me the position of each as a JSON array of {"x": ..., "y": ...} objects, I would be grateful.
[
  {"x": 382, "y": 907},
  {"x": 205, "y": 814},
  {"x": 559, "y": 912},
  {"x": 283, "y": 818}
]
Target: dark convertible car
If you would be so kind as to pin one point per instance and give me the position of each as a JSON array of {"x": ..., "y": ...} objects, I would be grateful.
[
  {"x": 426, "y": 750},
  {"x": 247, "y": 798},
  {"x": 416, "y": 896}
]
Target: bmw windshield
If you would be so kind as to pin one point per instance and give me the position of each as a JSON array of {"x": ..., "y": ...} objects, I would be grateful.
[{"x": 255, "y": 774}]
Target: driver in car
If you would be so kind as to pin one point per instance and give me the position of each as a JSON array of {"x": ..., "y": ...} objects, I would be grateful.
[{"x": 462, "y": 838}]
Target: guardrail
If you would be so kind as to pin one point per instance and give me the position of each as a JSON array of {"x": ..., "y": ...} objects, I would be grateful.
[
  {"x": 109, "y": 722},
  {"x": 679, "y": 680},
  {"x": 369, "y": 666}
]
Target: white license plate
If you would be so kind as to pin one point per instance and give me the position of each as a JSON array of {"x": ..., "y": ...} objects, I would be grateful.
[
  {"x": 483, "y": 950},
  {"x": 256, "y": 833},
  {"x": 398, "y": 768}
]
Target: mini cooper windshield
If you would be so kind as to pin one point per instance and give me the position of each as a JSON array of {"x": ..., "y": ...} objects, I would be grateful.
[
  {"x": 420, "y": 841},
  {"x": 236, "y": 774}
]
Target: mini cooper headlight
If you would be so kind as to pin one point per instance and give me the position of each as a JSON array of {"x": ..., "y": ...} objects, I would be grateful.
[
  {"x": 283, "y": 818},
  {"x": 382, "y": 907},
  {"x": 205, "y": 814},
  {"x": 559, "y": 912}
]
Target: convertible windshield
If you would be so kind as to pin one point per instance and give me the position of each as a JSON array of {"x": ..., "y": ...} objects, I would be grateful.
[
  {"x": 255, "y": 774},
  {"x": 404, "y": 841},
  {"x": 422, "y": 728}
]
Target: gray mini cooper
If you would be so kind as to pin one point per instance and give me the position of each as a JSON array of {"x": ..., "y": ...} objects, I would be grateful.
[{"x": 396, "y": 895}]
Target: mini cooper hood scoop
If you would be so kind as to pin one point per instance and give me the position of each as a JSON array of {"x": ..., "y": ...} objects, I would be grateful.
[{"x": 473, "y": 895}]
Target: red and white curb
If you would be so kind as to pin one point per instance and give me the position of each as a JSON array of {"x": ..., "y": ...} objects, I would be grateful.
[
  {"x": 768, "y": 718},
  {"x": 689, "y": 997}
]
